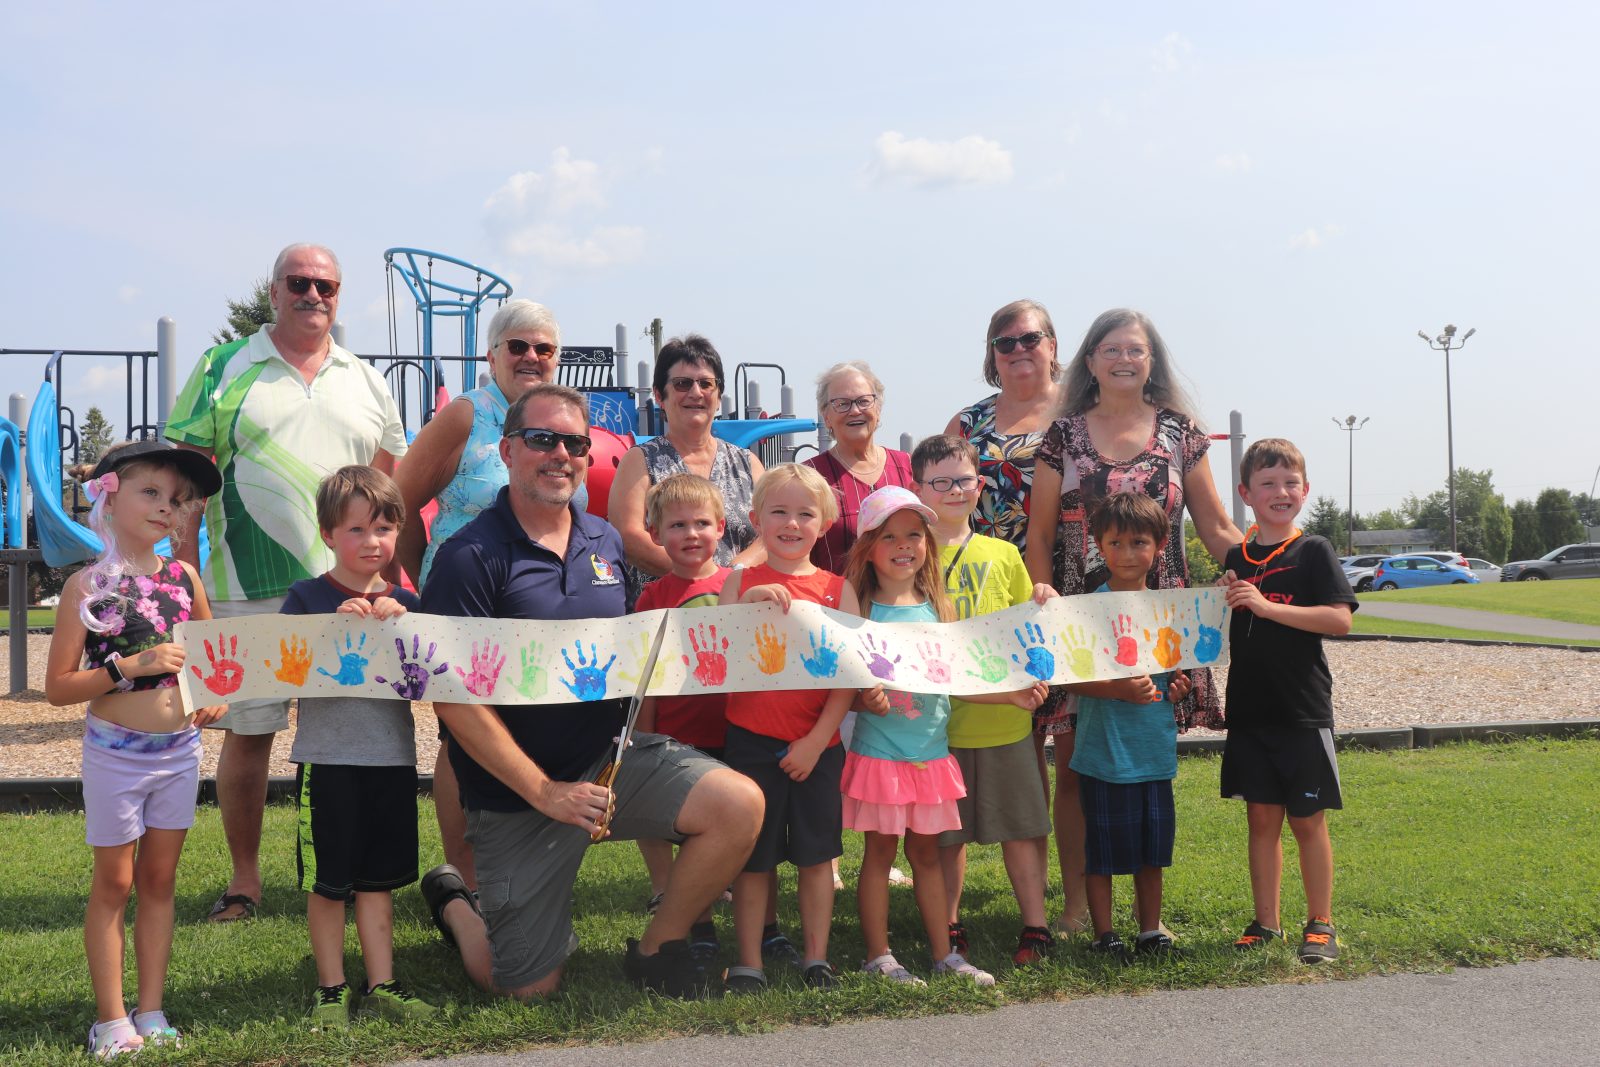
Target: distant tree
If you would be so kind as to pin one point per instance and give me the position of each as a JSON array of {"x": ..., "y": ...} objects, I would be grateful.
[
  {"x": 1325, "y": 519},
  {"x": 1526, "y": 540},
  {"x": 1483, "y": 524},
  {"x": 1558, "y": 519},
  {"x": 247, "y": 316},
  {"x": 1588, "y": 508},
  {"x": 1203, "y": 568},
  {"x": 94, "y": 436},
  {"x": 1387, "y": 519}
]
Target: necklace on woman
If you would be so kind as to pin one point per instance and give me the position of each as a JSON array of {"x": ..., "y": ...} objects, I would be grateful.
[{"x": 1244, "y": 546}]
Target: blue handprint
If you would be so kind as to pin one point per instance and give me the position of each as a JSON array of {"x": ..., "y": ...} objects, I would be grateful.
[
  {"x": 588, "y": 681},
  {"x": 414, "y": 673},
  {"x": 824, "y": 659},
  {"x": 1041, "y": 662},
  {"x": 1209, "y": 647},
  {"x": 352, "y": 664}
]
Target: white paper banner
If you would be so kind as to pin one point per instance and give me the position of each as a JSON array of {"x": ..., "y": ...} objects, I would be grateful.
[{"x": 745, "y": 648}]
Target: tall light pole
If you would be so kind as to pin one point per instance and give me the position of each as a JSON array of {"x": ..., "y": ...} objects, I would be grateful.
[
  {"x": 1349, "y": 425},
  {"x": 1444, "y": 343}
]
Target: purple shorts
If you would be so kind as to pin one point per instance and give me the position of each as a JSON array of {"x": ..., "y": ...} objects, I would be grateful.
[{"x": 134, "y": 781}]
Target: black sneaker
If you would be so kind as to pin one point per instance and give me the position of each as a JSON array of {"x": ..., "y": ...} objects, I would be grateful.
[
  {"x": 1112, "y": 947},
  {"x": 703, "y": 943},
  {"x": 1318, "y": 942},
  {"x": 439, "y": 887},
  {"x": 672, "y": 971},
  {"x": 820, "y": 975},
  {"x": 1257, "y": 936},
  {"x": 744, "y": 981},
  {"x": 1157, "y": 944},
  {"x": 779, "y": 950}
]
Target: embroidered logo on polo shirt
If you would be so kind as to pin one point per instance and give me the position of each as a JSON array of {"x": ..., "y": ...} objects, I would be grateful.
[{"x": 604, "y": 573}]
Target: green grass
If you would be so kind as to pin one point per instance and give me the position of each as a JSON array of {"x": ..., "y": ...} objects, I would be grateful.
[
  {"x": 37, "y": 618},
  {"x": 1425, "y": 883},
  {"x": 1572, "y": 600},
  {"x": 1371, "y": 624}
]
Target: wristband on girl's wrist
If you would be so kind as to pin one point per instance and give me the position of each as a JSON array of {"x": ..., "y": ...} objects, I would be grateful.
[{"x": 120, "y": 681}]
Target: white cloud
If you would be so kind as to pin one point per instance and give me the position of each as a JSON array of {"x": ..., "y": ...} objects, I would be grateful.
[
  {"x": 1316, "y": 237},
  {"x": 1170, "y": 53},
  {"x": 917, "y": 161},
  {"x": 127, "y": 293},
  {"x": 533, "y": 213},
  {"x": 1237, "y": 163}
]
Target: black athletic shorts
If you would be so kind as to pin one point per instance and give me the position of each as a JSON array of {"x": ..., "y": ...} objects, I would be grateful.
[
  {"x": 804, "y": 823},
  {"x": 1292, "y": 768},
  {"x": 357, "y": 829}
]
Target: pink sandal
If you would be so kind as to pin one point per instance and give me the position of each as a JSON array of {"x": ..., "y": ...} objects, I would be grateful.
[{"x": 115, "y": 1038}]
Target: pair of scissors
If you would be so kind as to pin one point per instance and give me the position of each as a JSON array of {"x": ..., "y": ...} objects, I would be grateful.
[{"x": 608, "y": 775}]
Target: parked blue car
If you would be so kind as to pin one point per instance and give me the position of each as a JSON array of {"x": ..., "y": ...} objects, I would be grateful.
[{"x": 1413, "y": 572}]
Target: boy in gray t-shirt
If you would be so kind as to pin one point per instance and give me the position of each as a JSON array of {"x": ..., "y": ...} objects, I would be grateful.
[{"x": 357, "y": 796}]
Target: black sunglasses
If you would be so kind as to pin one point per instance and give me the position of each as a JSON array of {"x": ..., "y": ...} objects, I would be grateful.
[
  {"x": 299, "y": 285},
  {"x": 546, "y": 441},
  {"x": 519, "y": 348},
  {"x": 1029, "y": 341},
  {"x": 683, "y": 385}
]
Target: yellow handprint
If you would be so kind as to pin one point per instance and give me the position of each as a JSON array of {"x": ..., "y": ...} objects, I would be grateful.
[
  {"x": 773, "y": 649},
  {"x": 1080, "y": 657},
  {"x": 641, "y": 653},
  {"x": 1169, "y": 645},
  {"x": 295, "y": 660}
]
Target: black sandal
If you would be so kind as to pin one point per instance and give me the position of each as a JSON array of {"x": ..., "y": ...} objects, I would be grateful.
[{"x": 247, "y": 906}]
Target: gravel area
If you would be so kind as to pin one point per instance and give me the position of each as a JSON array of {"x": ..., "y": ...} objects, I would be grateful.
[{"x": 1376, "y": 683}]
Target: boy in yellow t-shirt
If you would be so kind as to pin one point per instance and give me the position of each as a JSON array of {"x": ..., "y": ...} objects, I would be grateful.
[{"x": 993, "y": 742}]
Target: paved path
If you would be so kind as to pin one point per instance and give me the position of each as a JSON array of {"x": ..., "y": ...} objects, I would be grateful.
[
  {"x": 1468, "y": 619},
  {"x": 1533, "y": 1013}
]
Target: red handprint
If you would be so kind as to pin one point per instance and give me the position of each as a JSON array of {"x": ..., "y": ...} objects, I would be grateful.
[
  {"x": 1127, "y": 646},
  {"x": 711, "y": 664},
  {"x": 227, "y": 674}
]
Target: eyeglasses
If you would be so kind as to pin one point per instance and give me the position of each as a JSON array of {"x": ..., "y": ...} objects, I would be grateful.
[
  {"x": 1029, "y": 341},
  {"x": 1137, "y": 353},
  {"x": 519, "y": 348},
  {"x": 683, "y": 385},
  {"x": 845, "y": 405},
  {"x": 944, "y": 485},
  {"x": 299, "y": 285},
  {"x": 539, "y": 440}
]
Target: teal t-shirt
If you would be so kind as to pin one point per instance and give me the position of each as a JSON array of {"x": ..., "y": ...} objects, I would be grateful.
[
  {"x": 1125, "y": 743},
  {"x": 914, "y": 729}
]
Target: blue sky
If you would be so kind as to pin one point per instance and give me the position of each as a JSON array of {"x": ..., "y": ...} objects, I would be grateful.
[{"x": 1290, "y": 193}]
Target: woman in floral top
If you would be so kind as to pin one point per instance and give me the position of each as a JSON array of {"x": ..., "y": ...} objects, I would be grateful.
[{"x": 1126, "y": 428}]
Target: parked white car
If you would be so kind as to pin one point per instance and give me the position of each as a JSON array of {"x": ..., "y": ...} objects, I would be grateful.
[
  {"x": 1358, "y": 570},
  {"x": 1486, "y": 571}
]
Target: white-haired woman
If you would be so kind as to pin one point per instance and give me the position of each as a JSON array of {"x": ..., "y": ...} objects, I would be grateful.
[
  {"x": 850, "y": 398},
  {"x": 456, "y": 460}
]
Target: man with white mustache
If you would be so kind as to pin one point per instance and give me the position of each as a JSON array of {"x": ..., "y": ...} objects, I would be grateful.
[{"x": 278, "y": 411}]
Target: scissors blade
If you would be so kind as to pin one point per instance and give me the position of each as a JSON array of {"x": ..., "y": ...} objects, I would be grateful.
[{"x": 608, "y": 777}]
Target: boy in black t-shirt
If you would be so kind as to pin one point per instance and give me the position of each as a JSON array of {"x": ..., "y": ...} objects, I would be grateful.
[{"x": 1286, "y": 590}]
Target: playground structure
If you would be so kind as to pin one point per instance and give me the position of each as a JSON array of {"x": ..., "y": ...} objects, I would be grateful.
[{"x": 38, "y": 441}]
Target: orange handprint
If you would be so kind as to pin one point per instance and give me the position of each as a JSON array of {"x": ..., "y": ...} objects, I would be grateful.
[{"x": 294, "y": 660}]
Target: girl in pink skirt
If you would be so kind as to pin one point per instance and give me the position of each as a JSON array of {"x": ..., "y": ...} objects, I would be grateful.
[{"x": 899, "y": 777}]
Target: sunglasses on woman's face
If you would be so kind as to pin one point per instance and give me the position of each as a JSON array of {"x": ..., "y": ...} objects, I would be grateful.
[
  {"x": 1006, "y": 345},
  {"x": 299, "y": 285},
  {"x": 540, "y": 440},
  {"x": 683, "y": 385},
  {"x": 519, "y": 348}
]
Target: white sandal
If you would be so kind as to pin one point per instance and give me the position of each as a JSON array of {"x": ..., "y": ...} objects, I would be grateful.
[
  {"x": 115, "y": 1038},
  {"x": 886, "y": 966},
  {"x": 154, "y": 1028},
  {"x": 954, "y": 964}
]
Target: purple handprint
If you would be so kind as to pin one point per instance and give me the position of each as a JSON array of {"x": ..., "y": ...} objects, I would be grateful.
[
  {"x": 876, "y": 657},
  {"x": 485, "y": 671},
  {"x": 414, "y": 673},
  {"x": 935, "y": 666}
]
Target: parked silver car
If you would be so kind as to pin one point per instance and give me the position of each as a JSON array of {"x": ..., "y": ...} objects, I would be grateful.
[
  {"x": 1568, "y": 561},
  {"x": 1486, "y": 571},
  {"x": 1358, "y": 570}
]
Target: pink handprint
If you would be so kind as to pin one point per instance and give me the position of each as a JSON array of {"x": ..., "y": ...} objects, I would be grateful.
[
  {"x": 1127, "y": 645},
  {"x": 227, "y": 673},
  {"x": 480, "y": 681},
  {"x": 711, "y": 663},
  {"x": 935, "y": 667}
]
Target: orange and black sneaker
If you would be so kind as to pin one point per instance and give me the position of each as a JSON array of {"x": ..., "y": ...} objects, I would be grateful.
[
  {"x": 1257, "y": 936},
  {"x": 958, "y": 939},
  {"x": 1033, "y": 946},
  {"x": 1319, "y": 942}
]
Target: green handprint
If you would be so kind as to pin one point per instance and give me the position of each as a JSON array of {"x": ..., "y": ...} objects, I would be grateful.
[
  {"x": 1080, "y": 657},
  {"x": 535, "y": 680},
  {"x": 991, "y": 665},
  {"x": 641, "y": 653}
]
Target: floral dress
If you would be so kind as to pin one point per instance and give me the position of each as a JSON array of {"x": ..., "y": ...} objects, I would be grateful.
[
  {"x": 1175, "y": 446},
  {"x": 153, "y": 604},
  {"x": 1005, "y": 462},
  {"x": 731, "y": 473}
]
